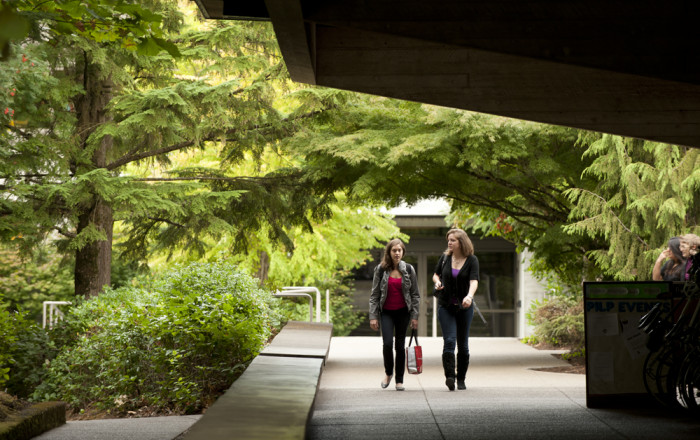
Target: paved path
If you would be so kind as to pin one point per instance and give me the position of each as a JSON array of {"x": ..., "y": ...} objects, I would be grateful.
[
  {"x": 146, "y": 428},
  {"x": 505, "y": 398}
]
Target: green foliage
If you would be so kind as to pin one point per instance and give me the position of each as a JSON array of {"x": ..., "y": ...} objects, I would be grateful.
[
  {"x": 508, "y": 175},
  {"x": 182, "y": 339},
  {"x": 23, "y": 349},
  {"x": 558, "y": 320},
  {"x": 578, "y": 353},
  {"x": 28, "y": 281},
  {"x": 84, "y": 107},
  {"x": 320, "y": 256},
  {"x": 31, "y": 349},
  {"x": 8, "y": 335},
  {"x": 646, "y": 192},
  {"x": 588, "y": 206},
  {"x": 129, "y": 23}
]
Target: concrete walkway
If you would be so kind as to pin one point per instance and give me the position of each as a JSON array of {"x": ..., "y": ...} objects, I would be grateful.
[
  {"x": 146, "y": 428},
  {"x": 505, "y": 398}
]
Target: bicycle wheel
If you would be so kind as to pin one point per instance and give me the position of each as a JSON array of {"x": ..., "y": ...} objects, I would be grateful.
[
  {"x": 689, "y": 382},
  {"x": 666, "y": 376}
]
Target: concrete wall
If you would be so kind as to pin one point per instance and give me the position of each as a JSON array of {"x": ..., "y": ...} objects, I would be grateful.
[{"x": 529, "y": 290}]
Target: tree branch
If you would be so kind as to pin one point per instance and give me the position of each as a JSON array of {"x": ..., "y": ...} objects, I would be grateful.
[
  {"x": 145, "y": 154},
  {"x": 131, "y": 157},
  {"x": 617, "y": 218},
  {"x": 65, "y": 233},
  {"x": 162, "y": 220}
]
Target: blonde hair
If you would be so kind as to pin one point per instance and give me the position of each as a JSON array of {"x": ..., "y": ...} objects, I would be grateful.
[
  {"x": 465, "y": 244},
  {"x": 692, "y": 240}
]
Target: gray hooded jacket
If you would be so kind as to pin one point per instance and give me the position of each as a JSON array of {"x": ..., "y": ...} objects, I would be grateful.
[{"x": 409, "y": 288}]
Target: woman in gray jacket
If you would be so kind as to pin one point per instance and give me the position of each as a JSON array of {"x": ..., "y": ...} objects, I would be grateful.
[{"x": 394, "y": 301}]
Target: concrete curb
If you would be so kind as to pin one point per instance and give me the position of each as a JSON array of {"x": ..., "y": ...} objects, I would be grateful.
[{"x": 32, "y": 421}]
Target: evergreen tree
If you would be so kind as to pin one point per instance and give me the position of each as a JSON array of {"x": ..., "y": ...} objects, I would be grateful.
[
  {"x": 110, "y": 84},
  {"x": 646, "y": 193}
]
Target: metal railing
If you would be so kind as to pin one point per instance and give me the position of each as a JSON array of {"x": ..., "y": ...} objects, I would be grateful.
[
  {"x": 279, "y": 294},
  {"x": 305, "y": 291},
  {"x": 55, "y": 314}
]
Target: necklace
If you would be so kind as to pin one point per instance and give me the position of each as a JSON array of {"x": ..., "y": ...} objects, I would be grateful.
[{"x": 457, "y": 262}]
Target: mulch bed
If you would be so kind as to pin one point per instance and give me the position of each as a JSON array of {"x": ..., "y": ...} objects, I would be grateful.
[{"x": 577, "y": 365}]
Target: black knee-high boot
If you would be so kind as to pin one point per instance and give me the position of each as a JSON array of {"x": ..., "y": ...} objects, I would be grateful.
[
  {"x": 462, "y": 367},
  {"x": 448, "y": 363}
]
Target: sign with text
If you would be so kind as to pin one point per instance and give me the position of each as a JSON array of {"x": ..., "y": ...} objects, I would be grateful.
[{"x": 615, "y": 346}]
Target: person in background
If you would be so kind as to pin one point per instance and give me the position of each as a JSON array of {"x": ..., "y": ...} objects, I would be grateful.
[
  {"x": 673, "y": 268},
  {"x": 394, "y": 301},
  {"x": 690, "y": 243},
  {"x": 456, "y": 279}
]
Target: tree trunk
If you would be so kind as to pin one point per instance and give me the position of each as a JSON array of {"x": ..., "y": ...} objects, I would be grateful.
[
  {"x": 264, "y": 267},
  {"x": 93, "y": 261}
]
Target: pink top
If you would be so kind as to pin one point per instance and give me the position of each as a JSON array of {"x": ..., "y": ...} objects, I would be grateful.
[{"x": 394, "y": 297}]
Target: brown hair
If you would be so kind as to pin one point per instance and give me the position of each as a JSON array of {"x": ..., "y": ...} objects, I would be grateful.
[
  {"x": 465, "y": 244},
  {"x": 387, "y": 262}
]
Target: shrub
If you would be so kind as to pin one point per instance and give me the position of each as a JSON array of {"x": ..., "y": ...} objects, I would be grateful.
[
  {"x": 30, "y": 351},
  {"x": 8, "y": 335},
  {"x": 558, "y": 321},
  {"x": 171, "y": 346},
  {"x": 23, "y": 350}
]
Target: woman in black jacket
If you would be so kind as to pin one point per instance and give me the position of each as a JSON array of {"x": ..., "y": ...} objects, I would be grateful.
[{"x": 456, "y": 279}]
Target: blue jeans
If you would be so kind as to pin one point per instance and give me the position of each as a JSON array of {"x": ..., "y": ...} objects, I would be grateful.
[
  {"x": 394, "y": 322},
  {"x": 455, "y": 329}
]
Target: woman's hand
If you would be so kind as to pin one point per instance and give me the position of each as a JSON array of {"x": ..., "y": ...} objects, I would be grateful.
[
  {"x": 414, "y": 324},
  {"x": 467, "y": 302},
  {"x": 374, "y": 324},
  {"x": 665, "y": 254},
  {"x": 438, "y": 285}
]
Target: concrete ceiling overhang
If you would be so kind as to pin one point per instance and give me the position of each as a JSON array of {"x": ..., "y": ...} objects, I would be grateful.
[{"x": 624, "y": 67}]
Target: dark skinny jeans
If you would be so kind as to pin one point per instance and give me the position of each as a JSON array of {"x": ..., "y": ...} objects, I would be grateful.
[
  {"x": 393, "y": 326},
  {"x": 455, "y": 327}
]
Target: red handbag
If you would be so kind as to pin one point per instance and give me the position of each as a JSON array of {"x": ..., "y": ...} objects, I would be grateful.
[{"x": 414, "y": 356}]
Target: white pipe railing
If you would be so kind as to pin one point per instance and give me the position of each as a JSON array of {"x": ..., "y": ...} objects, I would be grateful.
[
  {"x": 55, "y": 314},
  {"x": 311, "y": 289},
  {"x": 279, "y": 294}
]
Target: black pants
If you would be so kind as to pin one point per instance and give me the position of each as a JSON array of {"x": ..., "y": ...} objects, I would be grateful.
[{"x": 393, "y": 325}]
